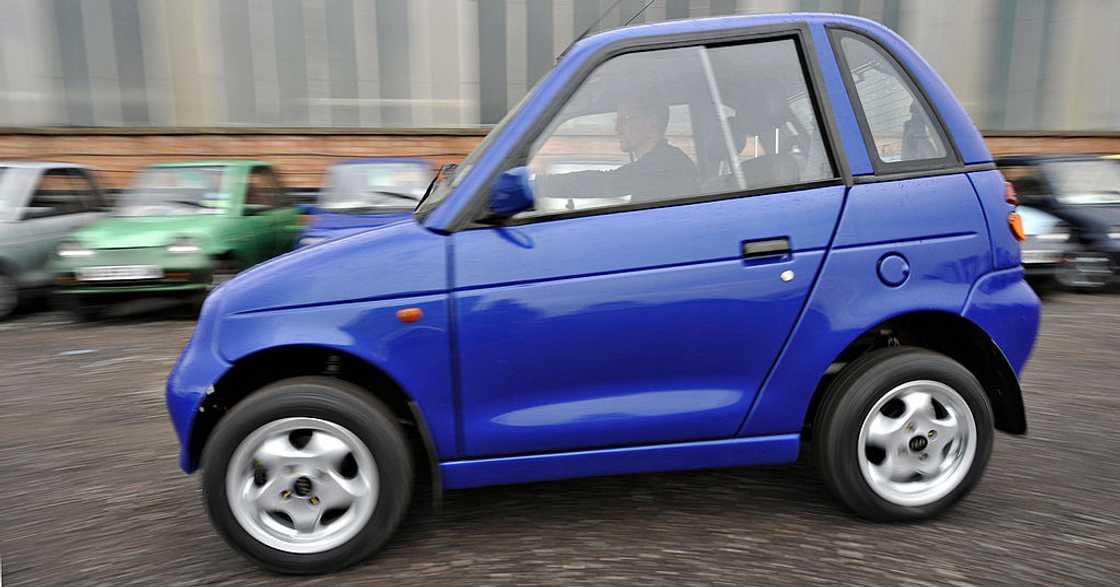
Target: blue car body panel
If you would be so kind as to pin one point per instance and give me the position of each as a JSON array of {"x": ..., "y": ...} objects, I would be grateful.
[
  {"x": 728, "y": 452},
  {"x": 639, "y": 340},
  {"x": 935, "y": 224},
  {"x": 1005, "y": 307},
  {"x": 651, "y": 342},
  {"x": 853, "y": 150},
  {"x": 271, "y": 306}
]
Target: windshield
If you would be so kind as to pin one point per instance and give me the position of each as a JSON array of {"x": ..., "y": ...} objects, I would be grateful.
[
  {"x": 445, "y": 185},
  {"x": 175, "y": 191},
  {"x": 1089, "y": 182},
  {"x": 374, "y": 187}
]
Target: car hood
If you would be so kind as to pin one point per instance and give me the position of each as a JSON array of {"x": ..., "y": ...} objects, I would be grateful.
[
  {"x": 337, "y": 221},
  {"x": 394, "y": 260},
  {"x": 156, "y": 231}
]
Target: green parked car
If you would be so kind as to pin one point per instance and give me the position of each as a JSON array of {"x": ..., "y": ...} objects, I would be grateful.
[{"x": 179, "y": 230}]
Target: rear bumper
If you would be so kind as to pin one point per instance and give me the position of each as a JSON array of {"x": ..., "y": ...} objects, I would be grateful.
[{"x": 1004, "y": 305}]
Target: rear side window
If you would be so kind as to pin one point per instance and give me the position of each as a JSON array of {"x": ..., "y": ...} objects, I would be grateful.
[{"x": 904, "y": 133}]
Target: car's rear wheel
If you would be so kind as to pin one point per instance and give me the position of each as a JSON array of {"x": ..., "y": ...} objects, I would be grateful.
[
  {"x": 9, "y": 296},
  {"x": 903, "y": 434},
  {"x": 308, "y": 475}
]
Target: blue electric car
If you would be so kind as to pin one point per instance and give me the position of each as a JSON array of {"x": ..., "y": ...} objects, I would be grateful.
[
  {"x": 792, "y": 235},
  {"x": 360, "y": 194}
]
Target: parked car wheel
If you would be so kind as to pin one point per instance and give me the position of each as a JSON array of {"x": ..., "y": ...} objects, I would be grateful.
[
  {"x": 1085, "y": 272},
  {"x": 308, "y": 475},
  {"x": 81, "y": 310},
  {"x": 9, "y": 295},
  {"x": 903, "y": 434}
]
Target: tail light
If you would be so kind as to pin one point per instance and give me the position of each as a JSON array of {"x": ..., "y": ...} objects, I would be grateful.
[
  {"x": 1009, "y": 194},
  {"x": 1014, "y": 221}
]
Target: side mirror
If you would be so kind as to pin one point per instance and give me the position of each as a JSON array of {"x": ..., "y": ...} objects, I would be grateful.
[{"x": 511, "y": 193}]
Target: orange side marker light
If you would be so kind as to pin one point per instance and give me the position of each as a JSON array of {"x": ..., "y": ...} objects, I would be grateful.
[
  {"x": 407, "y": 315},
  {"x": 1016, "y": 223}
]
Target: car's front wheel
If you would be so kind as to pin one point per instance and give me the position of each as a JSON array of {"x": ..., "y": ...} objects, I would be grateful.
[
  {"x": 308, "y": 475},
  {"x": 903, "y": 434}
]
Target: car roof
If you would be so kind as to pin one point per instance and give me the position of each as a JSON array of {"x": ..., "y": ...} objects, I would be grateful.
[
  {"x": 367, "y": 160},
  {"x": 716, "y": 23},
  {"x": 42, "y": 165},
  {"x": 215, "y": 163}
]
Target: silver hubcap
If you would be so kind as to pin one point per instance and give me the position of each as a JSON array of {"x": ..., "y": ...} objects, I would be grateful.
[
  {"x": 917, "y": 443},
  {"x": 302, "y": 485}
]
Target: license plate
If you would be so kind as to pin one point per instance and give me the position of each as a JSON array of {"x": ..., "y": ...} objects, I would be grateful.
[{"x": 120, "y": 273}]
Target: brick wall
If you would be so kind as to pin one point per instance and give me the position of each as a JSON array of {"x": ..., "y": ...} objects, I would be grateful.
[{"x": 301, "y": 155}]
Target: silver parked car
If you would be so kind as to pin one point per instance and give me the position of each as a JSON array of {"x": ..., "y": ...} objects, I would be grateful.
[{"x": 40, "y": 204}]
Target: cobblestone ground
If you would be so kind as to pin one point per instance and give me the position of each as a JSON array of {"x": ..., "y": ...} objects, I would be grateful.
[{"x": 91, "y": 493}]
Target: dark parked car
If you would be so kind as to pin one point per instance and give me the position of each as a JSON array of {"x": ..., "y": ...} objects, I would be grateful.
[
  {"x": 1083, "y": 192},
  {"x": 809, "y": 243},
  {"x": 1047, "y": 247}
]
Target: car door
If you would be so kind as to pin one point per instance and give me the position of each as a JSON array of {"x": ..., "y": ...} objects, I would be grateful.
[{"x": 651, "y": 309}]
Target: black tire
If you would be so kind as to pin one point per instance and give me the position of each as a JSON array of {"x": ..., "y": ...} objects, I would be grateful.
[
  {"x": 9, "y": 296},
  {"x": 336, "y": 401},
  {"x": 850, "y": 398},
  {"x": 83, "y": 311}
]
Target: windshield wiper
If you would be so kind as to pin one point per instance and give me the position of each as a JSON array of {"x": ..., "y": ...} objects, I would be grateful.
[
  {"x": 183, "y": 202},
  {"x": 399, "y": 195},
  {"x": 446, "y": 173}
]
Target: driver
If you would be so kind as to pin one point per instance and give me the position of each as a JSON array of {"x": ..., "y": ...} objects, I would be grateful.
[{"x": 657, "y": 170}]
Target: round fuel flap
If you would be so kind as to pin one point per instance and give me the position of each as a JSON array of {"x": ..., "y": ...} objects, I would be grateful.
[{"x": 894, "y": 269}]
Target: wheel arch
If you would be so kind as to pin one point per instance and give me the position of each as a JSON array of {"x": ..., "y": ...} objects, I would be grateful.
[
  {"x": 949, "y": 334},
  {"x": 256, "y": 370}
]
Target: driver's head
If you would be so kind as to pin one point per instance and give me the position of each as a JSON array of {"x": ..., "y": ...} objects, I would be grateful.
[{"x": 640, "y": 124}]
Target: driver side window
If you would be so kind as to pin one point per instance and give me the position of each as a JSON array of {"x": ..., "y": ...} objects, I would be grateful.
[
  {"x": 674, "y": 124},
  {"x": 626, "y": 136}
]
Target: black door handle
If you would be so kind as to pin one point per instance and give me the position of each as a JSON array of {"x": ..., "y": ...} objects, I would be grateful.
[{"x": 771, "y": 247}]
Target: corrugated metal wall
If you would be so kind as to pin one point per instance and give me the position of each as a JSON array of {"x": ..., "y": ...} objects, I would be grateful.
[{"x": 1016, "y": 64}]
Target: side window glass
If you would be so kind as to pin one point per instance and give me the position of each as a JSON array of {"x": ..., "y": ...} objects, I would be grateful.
[
  {"x": 679, "y": 123},
  {"x": 628, "y": 135},
  {"x": 280, "y": 196},
  {"x": 261, "y": 191},
  {"x": 60, "y": 192},
  {"x": 768, "y": 110},
  {"x": 900, "y": 126}
]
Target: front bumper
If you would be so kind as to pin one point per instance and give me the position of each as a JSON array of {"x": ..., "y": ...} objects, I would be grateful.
[
  {"x": 184, "y": 274},
  {"x": 199, "y": 367}
]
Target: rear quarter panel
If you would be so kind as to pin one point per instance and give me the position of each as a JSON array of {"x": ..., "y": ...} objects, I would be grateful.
[{"x": 935, "y": 223}]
